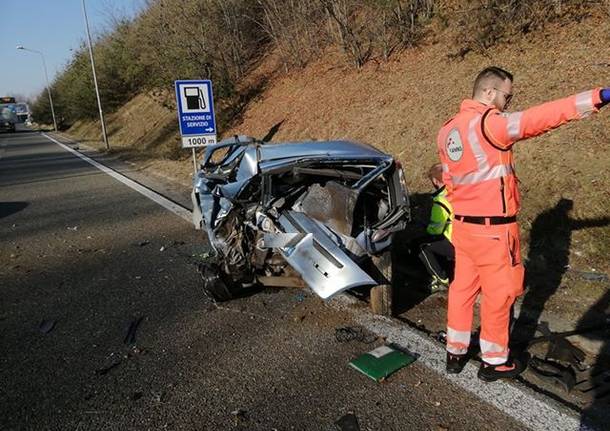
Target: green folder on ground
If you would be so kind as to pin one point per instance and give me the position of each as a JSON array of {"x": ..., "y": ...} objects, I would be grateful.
[{"x": 381, "y": 362}]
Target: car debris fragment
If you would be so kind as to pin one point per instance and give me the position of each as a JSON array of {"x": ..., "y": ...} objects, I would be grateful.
[
  {"x": 549, "y": 370},
  {"x": 46, "y": 326},
  {"x": 345, "y": 334},
  {"x": 348, "y": 422},
  {"x": 240, "y": 415},
  {"x": 559, "y": 348},
  {"x": 114, "y": 361},
  {"x": 130, "y": 337},
  {"x": 591, "y": 275}
]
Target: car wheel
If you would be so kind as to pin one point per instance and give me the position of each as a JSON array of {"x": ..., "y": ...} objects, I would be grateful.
[
  {"x": 381, "y": 295},
  {"x": 219, "y": 287},
  {"x": 214, "y": 286}
]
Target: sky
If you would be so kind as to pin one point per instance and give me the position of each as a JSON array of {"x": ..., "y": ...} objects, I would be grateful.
[{"x": 53, "y": 27}]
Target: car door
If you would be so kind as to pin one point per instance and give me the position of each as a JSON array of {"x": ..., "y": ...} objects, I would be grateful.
[{"x": 312, "y": 250}]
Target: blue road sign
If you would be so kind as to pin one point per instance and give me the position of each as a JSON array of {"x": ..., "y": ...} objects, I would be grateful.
[{"x": 196, "y": 113}]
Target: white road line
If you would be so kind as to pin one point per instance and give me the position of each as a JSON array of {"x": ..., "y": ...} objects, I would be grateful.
[
  {"x": 164, "y": 202},
  {"x": 533, "y": 410}
]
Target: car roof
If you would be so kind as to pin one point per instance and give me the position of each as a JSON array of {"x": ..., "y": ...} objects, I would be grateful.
[{"x": 338, "y": 148}]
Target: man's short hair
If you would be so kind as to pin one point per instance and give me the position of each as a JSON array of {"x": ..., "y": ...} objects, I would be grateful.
[
  {"x": 490, "y": 76},
  {"x": 436, "y": 172}
]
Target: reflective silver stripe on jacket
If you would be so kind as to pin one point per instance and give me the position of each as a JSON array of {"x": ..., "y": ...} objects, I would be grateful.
[
  {"x": 484, "y": 175},
  {"x": 584, "y": 103},
  {"x": 513, "y": 125},
  {"x": 475, "y": 145}
]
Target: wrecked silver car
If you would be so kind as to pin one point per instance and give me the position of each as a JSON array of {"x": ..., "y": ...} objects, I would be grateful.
[{"x": 314, "y": 211}]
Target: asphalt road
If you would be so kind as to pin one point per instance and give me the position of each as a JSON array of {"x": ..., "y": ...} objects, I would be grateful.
[{"x": 82, "y": 256}]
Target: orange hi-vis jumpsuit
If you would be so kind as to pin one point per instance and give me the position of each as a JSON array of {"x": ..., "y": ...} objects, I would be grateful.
[{"x": 475, "y": 149}]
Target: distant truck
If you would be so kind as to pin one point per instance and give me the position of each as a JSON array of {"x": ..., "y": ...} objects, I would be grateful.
[{"x": 8, "y": 114}]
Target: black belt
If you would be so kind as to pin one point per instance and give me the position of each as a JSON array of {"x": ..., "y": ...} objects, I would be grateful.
[{"x": 486, "y": 220}]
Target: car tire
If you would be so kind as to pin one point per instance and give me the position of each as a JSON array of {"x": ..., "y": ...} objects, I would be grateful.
[
  {"x": 214, "y": 286},
  {"x": 219, "y": 287},
  {"x": 381, "y": 295}
]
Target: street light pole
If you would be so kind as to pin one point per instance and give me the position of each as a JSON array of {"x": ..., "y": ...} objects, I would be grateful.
[
  {"x": 97, "y": 91},
  {"x": 46, "y": 77}
]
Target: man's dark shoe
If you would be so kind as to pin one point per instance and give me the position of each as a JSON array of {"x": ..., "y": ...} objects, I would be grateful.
[
  {"x": 455, "y": 363},
  {"x": 509, "y": 370}
]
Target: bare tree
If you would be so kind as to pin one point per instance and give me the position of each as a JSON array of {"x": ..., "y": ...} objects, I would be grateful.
[
  {"x": 354, "y": 42},
  {"x": 294, "y": 27}
]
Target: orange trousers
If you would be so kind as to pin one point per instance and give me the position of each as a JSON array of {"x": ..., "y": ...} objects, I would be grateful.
[{"x": 487, "y": 263}]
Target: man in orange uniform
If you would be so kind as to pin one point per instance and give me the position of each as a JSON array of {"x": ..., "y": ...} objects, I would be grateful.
[{"x": 475, "y": 149}]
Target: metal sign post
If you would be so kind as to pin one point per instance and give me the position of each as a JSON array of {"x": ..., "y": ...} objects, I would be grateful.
[
  {"x": 195, "y": 103},
  {"x": 194, "y": 160},
  {"x": 97, "y": 90}
]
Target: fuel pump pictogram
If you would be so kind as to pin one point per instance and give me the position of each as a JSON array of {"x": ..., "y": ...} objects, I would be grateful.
[{"x": 194, "y": 98}]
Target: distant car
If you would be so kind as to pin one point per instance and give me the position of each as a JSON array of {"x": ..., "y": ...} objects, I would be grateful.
[
  {"x": 8, "y": 117},
  {"x": 320, "y": 211}
]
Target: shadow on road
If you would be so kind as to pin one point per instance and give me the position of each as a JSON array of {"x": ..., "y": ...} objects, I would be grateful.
[
  {"x": 9, "y": 208},
  {"x": 409, "y": 277}
]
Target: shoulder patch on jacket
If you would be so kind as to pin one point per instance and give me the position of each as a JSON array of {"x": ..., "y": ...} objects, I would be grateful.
[{"x": 455, "y": 147}]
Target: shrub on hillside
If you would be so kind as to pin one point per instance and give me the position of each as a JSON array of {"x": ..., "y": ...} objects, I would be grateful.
[
  {"x": 484, "y": 23},
  {"x": 196, "y": 39},
  {"x": 72, "y": 91},
  {"x": 41, "y": 108},
  {"x": 398, "y": 24},
  {"x": 120, "y": 76},
  {"x": 361, "y": 29},
  {"x": 295, "y": 27}
]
